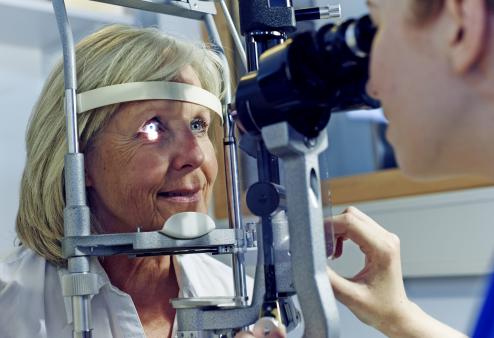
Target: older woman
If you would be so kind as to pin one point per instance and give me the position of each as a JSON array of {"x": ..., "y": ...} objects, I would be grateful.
[{"x": 145, "y": 161}]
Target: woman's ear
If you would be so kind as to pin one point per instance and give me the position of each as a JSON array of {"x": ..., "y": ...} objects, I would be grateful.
[{"x": 468, "y": 33}]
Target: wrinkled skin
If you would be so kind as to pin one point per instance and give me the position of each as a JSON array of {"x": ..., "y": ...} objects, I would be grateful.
[{"x": 152, "y": 160}]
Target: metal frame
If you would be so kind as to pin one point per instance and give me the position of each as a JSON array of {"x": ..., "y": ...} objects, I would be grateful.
[
  {"x": 307, "y": 239},
  {"x": 206, "y": 318}
]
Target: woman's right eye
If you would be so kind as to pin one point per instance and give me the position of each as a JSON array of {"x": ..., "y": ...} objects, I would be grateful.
[{"x": 151, "y": 130}]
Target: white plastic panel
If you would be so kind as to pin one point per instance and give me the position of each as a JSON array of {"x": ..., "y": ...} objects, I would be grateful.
[{"x": 445, "y": 234}]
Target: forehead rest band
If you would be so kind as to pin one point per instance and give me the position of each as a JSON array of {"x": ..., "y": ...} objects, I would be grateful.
[{"x": 151, "y": 90}]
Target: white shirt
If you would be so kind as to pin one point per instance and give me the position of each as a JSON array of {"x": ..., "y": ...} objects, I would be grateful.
[{"x": 32, "y": 305}]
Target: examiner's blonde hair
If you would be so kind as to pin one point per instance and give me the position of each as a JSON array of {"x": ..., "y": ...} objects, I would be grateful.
[{"x": 115, "y": 54}]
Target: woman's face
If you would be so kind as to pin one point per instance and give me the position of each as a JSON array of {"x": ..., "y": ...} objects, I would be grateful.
[
  {"x": 152, "y": 160},
  {"x": 422, "y": 97}
]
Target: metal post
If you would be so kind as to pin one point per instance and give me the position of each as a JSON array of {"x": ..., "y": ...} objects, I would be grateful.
[
  {"x": 231, "y": 169},
  {"x": 265, "y": 26},
  {"x": 69, "y": 74},
  {"x": 305, "y": 218},
  {"x": 76, "y": 212},
  {"x": 233, "y": 31}
]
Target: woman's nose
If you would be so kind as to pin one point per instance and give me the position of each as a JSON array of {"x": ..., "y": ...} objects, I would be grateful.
[{"x": 188, "y": 152}]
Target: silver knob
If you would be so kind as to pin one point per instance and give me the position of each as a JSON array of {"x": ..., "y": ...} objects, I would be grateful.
[{"x": 330, "y": 11}]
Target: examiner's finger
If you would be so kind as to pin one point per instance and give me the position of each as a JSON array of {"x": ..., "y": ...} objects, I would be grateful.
[
  {"x": 244, "y": 334},
  {"x": 367, "y": 235},
  {"x": 278, "y": 332},
  {"x": 264, "y": 324},
  {"x": 360, "y": 214}
]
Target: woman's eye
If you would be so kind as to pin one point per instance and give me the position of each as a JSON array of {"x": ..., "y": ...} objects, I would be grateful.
[
  {"x": 151, "y": 130},
  {"x": 199, "y": 126}
]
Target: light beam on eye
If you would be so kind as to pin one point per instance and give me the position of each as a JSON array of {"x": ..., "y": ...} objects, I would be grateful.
[
  {"x": 151, "y": 130},
  {"x": 152, "y": 135}
]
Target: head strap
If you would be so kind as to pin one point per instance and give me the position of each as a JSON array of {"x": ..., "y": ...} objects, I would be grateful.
[{"x": 151, "y": 90}]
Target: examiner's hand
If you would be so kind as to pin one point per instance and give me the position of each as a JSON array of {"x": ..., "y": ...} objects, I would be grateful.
[
  {"x": 376, "y": 295},
  {"x": 275, "y": 333}
]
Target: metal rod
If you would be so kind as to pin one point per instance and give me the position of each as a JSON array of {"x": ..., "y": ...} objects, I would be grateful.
[
  {"x": 216, "y": 39},
  {"x": 189, "y": 9},
  {"x": 231, "y": 169},
  {"x": 305, "y": 220},
  {"x": 267, "y": 164},
  {"x": 76, "y": 212},
  {"x": 81, "y": 309},
  {"x": 252, "y": 53},
  {"x": 316, "y": 13},
  {"x": 260, "y": 41},
  {"x": 235, "y": 36},
  {"x": 69, "y": 74}
]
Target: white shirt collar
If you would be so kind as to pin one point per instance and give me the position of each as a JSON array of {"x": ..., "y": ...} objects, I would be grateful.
[{"x": 197, "y": 276}]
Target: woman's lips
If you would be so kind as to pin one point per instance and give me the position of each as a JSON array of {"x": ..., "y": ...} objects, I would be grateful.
[{"x": 181, "y": 196}]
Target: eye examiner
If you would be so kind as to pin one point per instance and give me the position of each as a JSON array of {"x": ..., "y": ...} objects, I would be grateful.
[
  {"x": 147, "y": 105},
  {"x": 432, "y": 68}
]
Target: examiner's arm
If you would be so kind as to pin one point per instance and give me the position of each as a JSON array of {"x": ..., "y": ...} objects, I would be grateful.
[{"x": 376, "y": 295}]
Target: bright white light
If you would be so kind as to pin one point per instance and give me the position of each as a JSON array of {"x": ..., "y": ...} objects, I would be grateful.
[
  {"x": 152, "y": 135},
  {"x": 151, "y": 130}
]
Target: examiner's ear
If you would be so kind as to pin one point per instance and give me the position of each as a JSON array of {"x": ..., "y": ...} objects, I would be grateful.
[{"x": 468, "y": 32}]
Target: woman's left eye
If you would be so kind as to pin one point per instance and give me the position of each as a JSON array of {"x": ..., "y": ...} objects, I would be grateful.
[{"x": 199, "y": 126}]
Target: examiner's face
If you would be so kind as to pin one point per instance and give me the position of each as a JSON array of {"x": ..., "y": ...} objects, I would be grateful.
[
  {"x": 411, "y": 75},
  {"x": 152, "y": 160}
]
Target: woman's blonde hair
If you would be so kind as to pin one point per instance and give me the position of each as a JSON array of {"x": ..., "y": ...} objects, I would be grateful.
[{"x": 115, "y": 54}]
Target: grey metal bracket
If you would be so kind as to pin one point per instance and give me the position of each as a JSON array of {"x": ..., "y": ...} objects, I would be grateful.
[
  {"x": 190, "y": 9},
  {"x": 299, "y": 156},
  {"x": 211, "y": 321},
  {"x": 219, "y": 241},
  {"x": 79, "y": 245}
]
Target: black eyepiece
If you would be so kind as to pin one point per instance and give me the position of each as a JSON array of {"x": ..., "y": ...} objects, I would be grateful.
[{"x": 309, "y": 76}]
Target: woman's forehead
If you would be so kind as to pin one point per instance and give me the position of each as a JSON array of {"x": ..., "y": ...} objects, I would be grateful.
[{"x": 188, "y": 75}]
